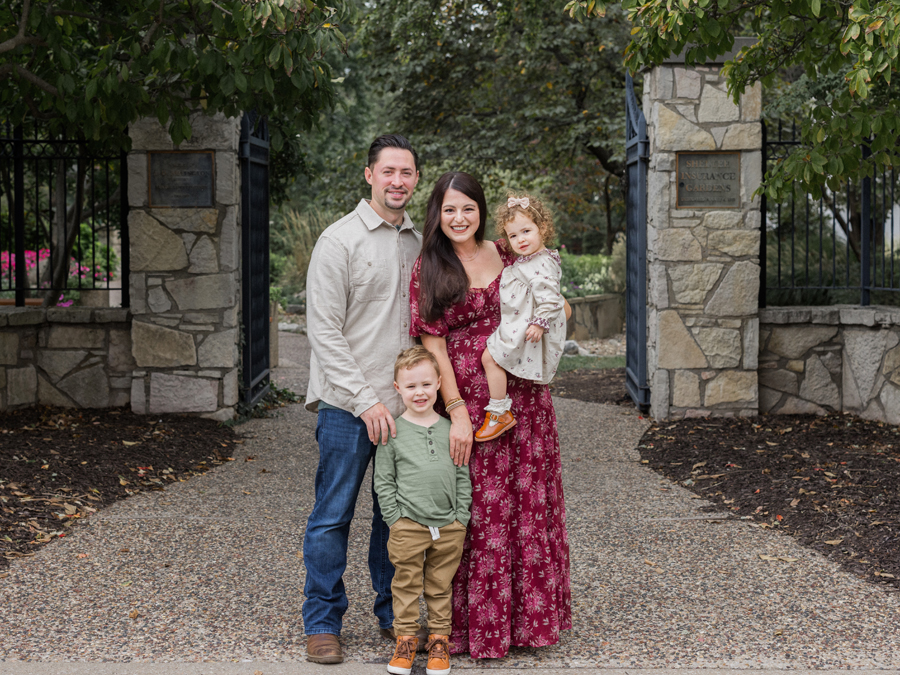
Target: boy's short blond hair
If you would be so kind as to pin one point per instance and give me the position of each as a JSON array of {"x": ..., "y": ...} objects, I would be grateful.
[{"x": 413, "y": 356}]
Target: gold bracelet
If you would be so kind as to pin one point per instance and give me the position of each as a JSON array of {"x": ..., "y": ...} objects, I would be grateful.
[{"x": 455, "y": 403}]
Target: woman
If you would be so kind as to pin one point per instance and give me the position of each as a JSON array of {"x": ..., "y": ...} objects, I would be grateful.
[{"x": 512, "y": 586}]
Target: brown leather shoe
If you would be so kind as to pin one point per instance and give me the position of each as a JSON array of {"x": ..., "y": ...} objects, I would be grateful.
[
  {"x": 421, "y": 636},
  {"x": 323, "y": 648},
  {"x": 495, "y": 425}
]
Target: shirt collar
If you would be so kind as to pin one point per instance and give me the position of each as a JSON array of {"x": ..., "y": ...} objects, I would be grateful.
[{"x": 372, "y": 220}]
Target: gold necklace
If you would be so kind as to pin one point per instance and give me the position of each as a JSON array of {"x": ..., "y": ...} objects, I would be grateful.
[{"x": 477, "y": 251}]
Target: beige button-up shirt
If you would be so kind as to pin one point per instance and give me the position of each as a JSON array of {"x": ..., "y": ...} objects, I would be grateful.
[{"x": 357, "y": 310}]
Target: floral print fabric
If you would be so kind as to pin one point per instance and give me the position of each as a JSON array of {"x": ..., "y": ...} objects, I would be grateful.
[
  {"x": 529, "y": 294},
  {"x": 512, "y": 585}
]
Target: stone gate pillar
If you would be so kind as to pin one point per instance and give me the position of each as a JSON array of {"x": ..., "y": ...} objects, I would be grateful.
[
  {"x": 185, "y": 267},
  {"x": 703, "y": 243}
]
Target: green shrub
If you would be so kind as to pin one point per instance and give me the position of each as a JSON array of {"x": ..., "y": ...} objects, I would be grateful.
[
  {"x": 592, "y": 274},
  {"x": 300, "y": 233}
]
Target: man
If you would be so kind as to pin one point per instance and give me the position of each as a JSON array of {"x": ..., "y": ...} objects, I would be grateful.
[{"x": 357, "y": 293}]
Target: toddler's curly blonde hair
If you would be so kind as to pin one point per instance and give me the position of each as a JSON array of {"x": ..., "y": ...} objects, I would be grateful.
[{"x": 536, "y": 211}]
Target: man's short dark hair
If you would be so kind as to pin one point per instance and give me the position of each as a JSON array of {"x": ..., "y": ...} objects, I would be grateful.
[{"x": 391, "y": 141}]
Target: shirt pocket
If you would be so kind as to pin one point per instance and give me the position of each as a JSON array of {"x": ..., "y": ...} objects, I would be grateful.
[{"x": 370, "y": 280}]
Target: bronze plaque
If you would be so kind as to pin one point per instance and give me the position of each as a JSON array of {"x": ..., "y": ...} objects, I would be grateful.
[
  {"x": 182, "y": 179},
  {"x": 708, "y": 180}
]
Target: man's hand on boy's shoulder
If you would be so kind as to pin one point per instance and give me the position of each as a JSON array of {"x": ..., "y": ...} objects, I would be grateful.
[{"x": 379, "y": 423}]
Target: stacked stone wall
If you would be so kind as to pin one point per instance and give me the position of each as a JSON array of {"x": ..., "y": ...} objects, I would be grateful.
[
  {"x": 830, "y": 359},
  {"x": 185, "y": 279},
  {"x": 596, "y": 316},
  {"x": 702, "y": 264},
  {"x": 69, "y": 357}
]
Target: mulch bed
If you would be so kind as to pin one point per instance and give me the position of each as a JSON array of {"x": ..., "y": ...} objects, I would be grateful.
[
  {"x": 832, "y": 482},
  {"x": 596, "y": 386},
  {"x": 57, "y": 465}
]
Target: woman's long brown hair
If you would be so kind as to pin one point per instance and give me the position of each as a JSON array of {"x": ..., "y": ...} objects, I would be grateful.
[{"x": 443, "y": 279}]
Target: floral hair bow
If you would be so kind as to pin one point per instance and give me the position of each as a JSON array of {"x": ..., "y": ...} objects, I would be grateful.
[{"x": 523, "y": 202}]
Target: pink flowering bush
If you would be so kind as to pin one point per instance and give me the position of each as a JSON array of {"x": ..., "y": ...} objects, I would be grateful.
[{"x": 34, "y": 258}]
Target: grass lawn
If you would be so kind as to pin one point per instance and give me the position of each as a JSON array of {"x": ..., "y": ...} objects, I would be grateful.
[{"x": 567, "y": 363}]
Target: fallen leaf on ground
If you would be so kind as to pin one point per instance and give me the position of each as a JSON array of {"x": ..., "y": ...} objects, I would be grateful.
[
  {"x": 134, "y": 614},
  {"x": 884, "y": 574},
  {"x": 834, "y": 542}
]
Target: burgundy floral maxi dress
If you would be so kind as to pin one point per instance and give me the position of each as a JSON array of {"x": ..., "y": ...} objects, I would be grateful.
[{"x": 512, "y": 586}]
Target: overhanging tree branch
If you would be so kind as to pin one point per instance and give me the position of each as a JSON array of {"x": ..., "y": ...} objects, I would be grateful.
[{"x": 10, "y": 69}]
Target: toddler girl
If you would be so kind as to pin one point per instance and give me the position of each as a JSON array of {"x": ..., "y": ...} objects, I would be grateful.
[{"x": 528, "y": 343}]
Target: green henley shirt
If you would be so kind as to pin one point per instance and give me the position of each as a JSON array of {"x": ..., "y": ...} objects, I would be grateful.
[{"x": 415, "y": 477}]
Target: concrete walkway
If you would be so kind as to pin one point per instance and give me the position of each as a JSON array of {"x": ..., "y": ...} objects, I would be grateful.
[{"x": 205, "y": 578}]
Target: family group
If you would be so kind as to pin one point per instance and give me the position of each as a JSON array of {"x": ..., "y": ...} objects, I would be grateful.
[{"x": 467, "y": 485}]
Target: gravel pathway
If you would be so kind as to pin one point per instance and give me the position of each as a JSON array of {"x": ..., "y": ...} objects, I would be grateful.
[{"x": 209, "y": 569}]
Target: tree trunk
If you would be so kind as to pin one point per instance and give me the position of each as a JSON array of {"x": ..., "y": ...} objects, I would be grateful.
[
  {"x": 610, "y": 234},
  {"x": 65, "y": 231}
]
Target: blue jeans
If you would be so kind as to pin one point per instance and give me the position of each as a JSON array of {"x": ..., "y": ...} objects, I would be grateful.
[{"x": 345, "y": 453}]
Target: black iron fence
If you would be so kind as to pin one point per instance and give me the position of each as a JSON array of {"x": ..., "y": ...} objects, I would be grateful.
[
  {"x": 840, "y": 248},
  {"x": 63, "y": 220}
]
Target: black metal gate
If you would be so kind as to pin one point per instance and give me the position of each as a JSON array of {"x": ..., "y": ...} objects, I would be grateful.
[
  {"x": 63, "y": 219},
  {"x": 254, "y": 156},
  {"x": 637, "y": 150},
  {"x": 842, "y": 247}
]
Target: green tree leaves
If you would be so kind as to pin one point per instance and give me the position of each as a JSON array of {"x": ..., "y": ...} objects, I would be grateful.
[
  {"x": 853, "y": 46},
  {"x": 81, "y": 68}
]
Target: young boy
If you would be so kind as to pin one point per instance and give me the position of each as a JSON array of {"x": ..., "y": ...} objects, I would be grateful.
[{"x": 425, "y": 501}]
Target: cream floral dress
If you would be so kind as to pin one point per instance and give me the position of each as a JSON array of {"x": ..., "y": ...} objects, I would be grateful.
[{"x": 529, "y": 294}]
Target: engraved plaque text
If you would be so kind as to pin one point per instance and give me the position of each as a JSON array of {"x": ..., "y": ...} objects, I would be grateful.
[
  {"x": 182, "y": 179},
  {"x": 708, "y": 180}
]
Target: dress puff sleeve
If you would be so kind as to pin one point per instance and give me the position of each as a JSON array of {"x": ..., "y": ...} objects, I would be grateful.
[
  {"x": 548, "y": 301},
  {"x": 418, "y": 325}
]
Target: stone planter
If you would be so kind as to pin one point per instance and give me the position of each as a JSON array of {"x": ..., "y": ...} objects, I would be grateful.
[{"x": 596, "y": 316}]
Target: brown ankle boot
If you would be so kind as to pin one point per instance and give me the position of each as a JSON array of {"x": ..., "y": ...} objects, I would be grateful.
[
  {"x": 323, "y": 648},
  {"x": 495, "y": 425},
  {"x": 404, "y": 655}
]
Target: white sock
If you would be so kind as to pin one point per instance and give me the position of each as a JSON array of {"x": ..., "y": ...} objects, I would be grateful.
[{"x": 498, "y": 406}]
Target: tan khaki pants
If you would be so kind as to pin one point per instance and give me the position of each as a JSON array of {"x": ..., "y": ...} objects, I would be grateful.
[{"x": 417, "y": 557}]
